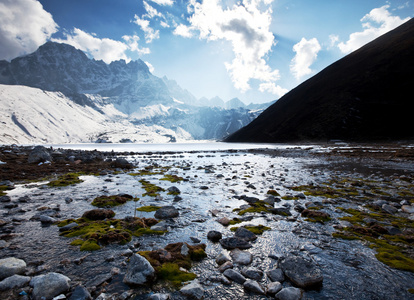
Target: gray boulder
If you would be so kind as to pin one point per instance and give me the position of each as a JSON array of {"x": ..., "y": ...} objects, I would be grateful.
[
  {"x": 39, "y": 154},
  {"x": 166, "y": 212},
  {"x": 274, "y": 287},
  {"x": 252, "y": 273},
  {"x": 245, "y": 234},
  {"x": 241, "y": 257},
  {"x": 276, "y": 275},
  {"x": 214, "y": 236},
  {"x": 15, "y": 281},
  {"x": 159, "y": 296},
  {"x": 234, "y": 275},
  {"x": 254, "y": 287},
  {"x": 222, "y": 258},
  {"x": 49, "y": 285},
  {"x": 10, "y": 266},
  {"x": 80, "y": 293},
  {"x": 194, "y": 290},
  {"x": 235, "y": 242},
  {"x": 139, "y": 271},
  {"x": 303, "y": 273},
  {"x": 289, "y": 293}
]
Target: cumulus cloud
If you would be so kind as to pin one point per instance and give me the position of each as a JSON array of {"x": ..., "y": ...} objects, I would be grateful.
[
  {"x": 246, "y": 25},
  {"x": 306, "y": 54},
  {"x": 24, "y": 26},
  {"x": 150, "y": 66},
  {"x": 102, "y": 49},
  {"x": 271, "y": 87},
  {"x": 150, "y": 33},
  {"x": 183, "y": 31},
  {"x": 151, "y": 11},
  {"x": 163, "y": 2},
  {"x": 376, "y": 23}
]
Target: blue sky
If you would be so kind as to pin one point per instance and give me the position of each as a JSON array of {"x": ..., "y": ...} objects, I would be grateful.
[{"x": 255, "y": 50}]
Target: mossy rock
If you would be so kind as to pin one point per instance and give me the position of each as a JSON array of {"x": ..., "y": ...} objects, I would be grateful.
[
  {"x": 273, "y": 193},
  {"x": 148, "y": 208},
  {"x": 171, "y": 272},
  {"x": 152, "y": 190},
  {"x": 90, "y": 245},
  {"x": 65, "y": 180},
  {"x": 315, "y": 216},
  {"x": 259, "y": 206},
  {"x": 3, "y": 188},
  {"x": 258, "y": 230},
  {"x": 235, "y": 221},
  {"x": 172, "y": 178},
  {"x": 111, "y": 201},
  {"x": 98, "y": 214}
]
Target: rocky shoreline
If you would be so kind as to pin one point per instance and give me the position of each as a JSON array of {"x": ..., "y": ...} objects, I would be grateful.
[{"x": 265, "y": 224}]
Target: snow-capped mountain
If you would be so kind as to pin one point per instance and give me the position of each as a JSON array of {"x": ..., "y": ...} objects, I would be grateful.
[{"x": 119, "y": 93}]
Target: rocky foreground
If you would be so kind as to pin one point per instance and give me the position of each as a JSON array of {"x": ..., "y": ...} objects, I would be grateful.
[{"x": 294, "y": 223}]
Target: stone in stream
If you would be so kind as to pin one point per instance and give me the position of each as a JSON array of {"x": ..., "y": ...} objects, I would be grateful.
[
  {"x": 15, "y": 281},
  {"x": 234, "y": 242},
  {"x": 159, "y": 296},
  {"x": 408, "y": 209},
  {"x": 214, "y": 236},
  {"x": 166, "y": 212},
  {"x": 193, "y": 290},
  {"x": 10, "y": 266},
  {"x": 241, "y": 257},
  {"x": 224, "y": 221},
  {"x": 252, "y": 273},
  {"x": 245, "y": 234},
  {"x": 49, "y": 285},
  {"x": 39, "y": 154},
  {"x": 289, "y": 293},
  {"x": 303, "y": 273},
  {"x": 253, "y": 286},
  {"x": 234, "y": 276},
  {"x": 225, "y": 266},
  {"x": 139, "y": 271},
  {"x": 68, "y": 227},
  {"x": 276, "y": 275},
  {"x": 80, "y": 293},
  {"x": 274, "y": 287},
  {"x": 222, "y": 258}
]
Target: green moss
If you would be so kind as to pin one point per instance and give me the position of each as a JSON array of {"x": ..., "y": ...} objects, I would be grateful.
[
  {"x": 289, "y": 197},
  {"x": 273, "y": 193},
  {"x": 411, "y": 291},
  {"x": 65, "y": 222},
  {"x": 235, "y": 221},
  {"x": 345, "y": 236},
  {"x": 149, "y": 208},
  {"x": 147, "y": 231},
  {"x": 77, "y": 242},
  {"x": 3, "y": 188},
  {"x": 259, "y": 206},
  {"x": 65, "y": 180},
  {"x": 198, "y": 254},
  {"x": 172, "y": 273},
  {"x": 258, "y": 230},
  {"x": 111, "y": 201},
  {"x": 395, "y": 259},
  {"x": 151, "y": 189},
  {"x": 172, "y": 178},
  {"x": 90, "y": 245}
]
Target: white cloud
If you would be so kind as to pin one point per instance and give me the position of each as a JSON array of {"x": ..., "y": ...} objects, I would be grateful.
[
  {"x": 164, "y": 24},
  {"x": 102, "y": 49},
  {"x": 271, "y": 87},
  {"x": 163, "y": 2},
  {"x": 150, "y": 33},
  {"x": 334, "y": 39},
  {"x": 183, "y": 31},
  {"x": 246, "y": 25},
  {"x": 150, "y": 66},
  {"x": 375, "y": 24},
  {"x": 306, "y": 54},
  {"x": 151, "y": 11},
  {"x": 24, "y": 26}
]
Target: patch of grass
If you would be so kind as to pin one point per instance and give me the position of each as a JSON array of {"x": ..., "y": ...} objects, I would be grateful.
[
  {"x": 152, "y": 190},
  {"x": 235, "y": 221},
  {"x": 273, "y": 193},
  {"x": 395, "y": 259},
  {"x": 172, "y": 273},
  {"x": 111, "y": 201},
  {"x": 259, "y": 206},
  {"x": 149, "y": 208},
  {"x": 258, "y": 230},
  {"x": 77, "y": 242},
  {"x": 90, "y": 245},
  {"x": 172, "y": 178},
  {"x": 65, "y": 180}
]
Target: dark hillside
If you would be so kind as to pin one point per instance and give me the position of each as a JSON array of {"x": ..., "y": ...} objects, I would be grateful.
[{"x": 365, "y": 96}]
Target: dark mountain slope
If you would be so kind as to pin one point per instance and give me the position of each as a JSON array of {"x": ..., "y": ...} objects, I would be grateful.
[{"x": 365, "y": 96}]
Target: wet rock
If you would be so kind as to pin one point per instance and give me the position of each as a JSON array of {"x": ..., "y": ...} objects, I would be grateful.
[
  {"x": 408, "y": 209},
  {"x": 299, "y": 208},
  {"x": 225, "y": 266},
  {"x": 49, "y": 285},
  {"x": 245, "y": 234},
  {"x": 121, "y": 163},
  {"x": 174, "y": 190},
  {"x": 314, "y": 214},
  {"x": 10, "y": 266},
  {"x": 161, "y": 226},
  {"x": 194, "y": 239},
  {"x": 159, "y": 296},
  {"x": 389, "y": 209},
  {"x": 379, "y": 203},
  {"x": 15, "y": 281},
  {"x": 24, "y": 199},
  {"x": 139, "y": 271},
  {"x": 234, "y": 276},
  {"x": 289, "y": 293},
  {"x": 5, "y": 199},
  {"x": 214, "y": 236},
  {"x": 234, "y": 242},
  {"x": 253, "y": 286},
  {"x": 252, "y": 273},
  {"x": 222, "y": 258},
  {"x": 274, "y": 287},
  {"x": 11, "y": 205},
  {"x": 393, "y": 230},
  {"x": 276, "y": 275},
  {"x": 224, "y": 221},
  {"x": 312, "y": 249},
  {"x": 80, "y": 293},
  {"x": 300, "y": 196},
  {"x": 68, "y": 227},
  {"x": 224, "y": 280},
  {"x": 282, "y": 211},
  {"x": 241, "y": 257},
  {"x": 194, "y": 290},
  {"x": 98, "y": 214},
  {"x": 166, "y": 212},
  {"x": 46, "y": 220},
  {"x": 303, "y": 273},
  {"x": 3, "y": 244},
  {"x": 203, "y": 187},
  {"x": 39, "y": 154}
]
